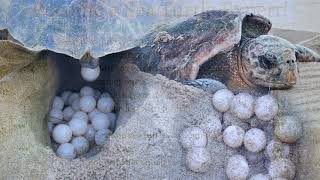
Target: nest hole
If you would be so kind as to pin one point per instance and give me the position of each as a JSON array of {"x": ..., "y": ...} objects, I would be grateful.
[{"x": 77, "y": 114}]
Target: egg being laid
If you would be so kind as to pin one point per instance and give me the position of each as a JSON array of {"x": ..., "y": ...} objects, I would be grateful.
[{"x": 90, "y": 74}]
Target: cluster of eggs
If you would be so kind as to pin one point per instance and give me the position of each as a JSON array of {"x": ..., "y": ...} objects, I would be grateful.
[
  {"x": 78, "y": 122},
  {"x": 238, "y": 111}
]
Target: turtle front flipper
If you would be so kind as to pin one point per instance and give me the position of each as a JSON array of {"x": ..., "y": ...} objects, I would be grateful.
[
  {"x": 14, "y": 57},
  {"x": 208, "y": 85},
  {"x": 304, "y": 54}
]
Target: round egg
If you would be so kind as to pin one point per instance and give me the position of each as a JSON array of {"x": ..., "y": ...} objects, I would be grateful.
[
  {"x": 86, "y": 91},
  {"x": 65, "y": 96},
  {"x": 193, "y": 137},
  {"x": 73, "y": 97},
  {"x": 233, "y": 136},
  {"x": 282, "y": 168},
  {"x": 288, "y": 129},
  {"x": 237, "y": 168},
  {"x": 76, "y": 104},
  {"x": 242, "y": 106},
  {"x": 78, "y": 127},
  {"x": 87, "y": 103},
  {"x": 101, "y": 136},
  {"x": 260, "y": 177},
  {"x": 105, "y": 104},
  {"x": 100, "y": 121},
  {"x": 81, "y": 115},
  {"x": 66, "y": 151},
  {"x": 80, "y": 144},
  {"x": 266, "y": 108},
  {"x": 62, "y": 133},
  {"x": 198, "y": 160},
  {"x": 276, "y": 150},
  {"x": 255, "y": 140},
  {"x": 55, "y": 115},
  {"x": 222, "y": 99},
  {"x": 68, "y": 113},
  {"x": 90, "y": 74},
  {"x": 90, "y": 133},
  {"x": 58, "y": 103}
]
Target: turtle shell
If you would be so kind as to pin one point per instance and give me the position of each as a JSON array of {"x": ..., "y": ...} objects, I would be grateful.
[{"x": 74, "y": 27}]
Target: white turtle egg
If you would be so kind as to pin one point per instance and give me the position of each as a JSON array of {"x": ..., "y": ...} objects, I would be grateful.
[
  {"x": 65, "y": 96},
  {"x": 58, "y": 103},
  {"x": 222, "y": 99},
  {"x": 76, "y": 104},
  {"x": 81, "y": 115},
  {"x": 233, "y": 136},
  {"x": 105, "y": 94},
  {"x": 55, "y": 115},
  {"x": 255, "y": 140},
  {"x": 112, "y": 118},
  {"x": 80, "y": 144},
  {"x": 288, "y": 129},
  {"x": 105, "y": 104},
  {"x": 90, "y": 74},
  {"x": 260, "y": 177},
  {"x": 266, "y": 108},
  {"x": 89, "y": 135},
  {"x": 242, "y": 106},
  {"x": 93, "y": 113},
  {"x": 66, "y": 151},
  {"x": 86, "y": 91},
  {"x": 68, "y": 113},
  {"x": 237, "y": 168},
  {"x": 100, "y": 121},
  {"x": 193, "y": 137},
  {"x": 87, "y": 103},
  {"x": 276, "y": 150},
  {"x": 282, "y": 168},
  {"x": 97, "y": 94},
  {"x": 198, "y": 160},
  {"x": 62, "y": 133},
  {"x": 50, "y": 127},
  {"x": 78, "y": 126},
  {"x": 101, "y": 136},
  {"x": 73, "y": 97}
]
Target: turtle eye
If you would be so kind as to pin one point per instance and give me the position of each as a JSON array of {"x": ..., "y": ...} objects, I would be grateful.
[{"x": 264, "y": 62}]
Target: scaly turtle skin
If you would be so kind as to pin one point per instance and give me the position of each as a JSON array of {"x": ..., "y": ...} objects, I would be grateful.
[{"x": 231, "y": 47}]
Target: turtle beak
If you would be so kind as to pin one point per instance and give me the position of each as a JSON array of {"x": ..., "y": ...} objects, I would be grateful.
[{"x": 292, "y": 78}]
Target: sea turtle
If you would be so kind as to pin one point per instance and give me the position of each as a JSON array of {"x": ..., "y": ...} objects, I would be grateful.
[{"x": 231, "y": 47}]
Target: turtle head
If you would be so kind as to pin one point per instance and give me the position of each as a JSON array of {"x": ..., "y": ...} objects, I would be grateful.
[{"x": 270, "y": 62}]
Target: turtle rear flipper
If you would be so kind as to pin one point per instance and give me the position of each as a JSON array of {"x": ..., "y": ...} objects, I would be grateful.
[
  {"x": 208, "y": 85},
  {"x": 14, "y": 57},
  {"x": 304, "y": 54}
]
